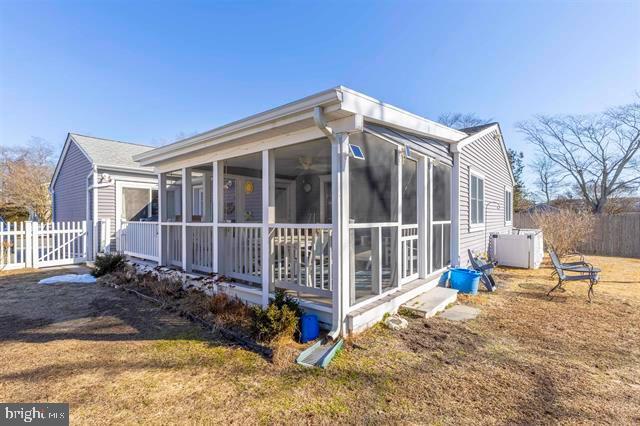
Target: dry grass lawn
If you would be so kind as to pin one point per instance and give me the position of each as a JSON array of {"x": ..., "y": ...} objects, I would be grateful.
[{"x": 525, "y": 359}]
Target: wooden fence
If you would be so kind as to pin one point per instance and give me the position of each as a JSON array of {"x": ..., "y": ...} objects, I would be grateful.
[{"x": 612, "y": 235}]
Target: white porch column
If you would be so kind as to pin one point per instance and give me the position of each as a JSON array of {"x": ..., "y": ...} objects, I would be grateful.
[
  {"x": 340, "y": 231},
  {"x": 399, "y": 265},
  {"x": 423, "y": 217},
  {"x": 217, "y": 199},
  {"x": 268, "y": 217},
  {"x": 162, "y": 216},
  {"x": 455, "y": 207},
  {"x": 186, "y": 213}
]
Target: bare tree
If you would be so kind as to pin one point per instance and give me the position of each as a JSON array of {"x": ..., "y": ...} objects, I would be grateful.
[
  {"x": 548, "y": 178},
  {"x": 25, "y": 173},
  {"x": 458, "y": 120},
  {"x": 599, "y": 152}
]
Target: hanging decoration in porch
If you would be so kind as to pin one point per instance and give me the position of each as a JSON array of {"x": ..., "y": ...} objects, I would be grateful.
[{"x": 248, "y": 187}]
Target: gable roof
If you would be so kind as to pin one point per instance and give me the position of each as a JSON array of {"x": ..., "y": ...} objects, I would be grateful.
[
  {"x": 105, "y": 154},
  {"x": 478, "y": 132},
  {"x": 475, "y": 129}
]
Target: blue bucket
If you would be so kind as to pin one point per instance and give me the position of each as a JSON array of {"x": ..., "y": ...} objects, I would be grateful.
[
  {"x": 464, "y": 280},
  {"x": 309, "y": 327}
]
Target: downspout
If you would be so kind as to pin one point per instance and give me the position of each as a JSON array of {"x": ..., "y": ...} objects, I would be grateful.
[{"x": 320, "y": 122}]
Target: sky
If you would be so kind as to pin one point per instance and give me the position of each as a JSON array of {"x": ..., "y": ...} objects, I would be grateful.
[{"x": 152, "y": 72}]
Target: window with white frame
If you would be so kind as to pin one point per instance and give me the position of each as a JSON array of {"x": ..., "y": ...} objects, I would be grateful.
[
  {"x": 476, "y": 199},
  {"x": 508, "y": 205}
]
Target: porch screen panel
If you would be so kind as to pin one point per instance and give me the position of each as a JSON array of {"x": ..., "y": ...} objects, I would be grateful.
[
  {"x": 242, "y": 189},
  {"x": 373, "y": 213},
  {"x": 441, "y": 193},
  {"x": 441, "y": 221},
  {"x": 173, "y": 205},
  {"x": 303, "y": 182},
  {"x": 201, "y": 188},
  {"x": 136, "y": 203},
  {"x": 409, "y": 191}
]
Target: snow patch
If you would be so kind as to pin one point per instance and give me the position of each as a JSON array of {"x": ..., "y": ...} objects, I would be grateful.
[{"x": 69, "y": 278}]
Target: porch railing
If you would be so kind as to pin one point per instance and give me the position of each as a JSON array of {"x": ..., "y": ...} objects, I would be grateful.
[
  {"x": 302, "y": 258},
  {"x": 240, "y": 251},
  {"x": 139, "y": 239},
  {"x": 173, "y": 243},
  {"x": 201, "y": 248},
  {"x": 409, "y": 252}
]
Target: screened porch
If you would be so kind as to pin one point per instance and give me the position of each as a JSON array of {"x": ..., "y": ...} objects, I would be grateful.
[{"x": 278, "y": 207}]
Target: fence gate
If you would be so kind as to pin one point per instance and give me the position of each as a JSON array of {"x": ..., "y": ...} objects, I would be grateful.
[{"x": 38, "y": 245}]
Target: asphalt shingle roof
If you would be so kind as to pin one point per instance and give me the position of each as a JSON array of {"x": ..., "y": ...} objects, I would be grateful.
[
  {"x": 105, "y": 152},
  {"x": 475, "y": 129}
]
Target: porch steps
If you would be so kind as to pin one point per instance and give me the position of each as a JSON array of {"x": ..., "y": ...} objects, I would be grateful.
[
  {"x": 431, "y": 302},
  {"x": 320, "y": 353}
]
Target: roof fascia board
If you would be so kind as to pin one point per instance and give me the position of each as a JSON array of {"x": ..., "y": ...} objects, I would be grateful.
[
  {"x": 307, "y": 115},
  {"x": 63, "y": 154},
  {"x": 324, "y": 98},
  {"x": 379, "y": 112},
  {"x": 125, "y": 169},
  {"x": 237, "y": 149}
]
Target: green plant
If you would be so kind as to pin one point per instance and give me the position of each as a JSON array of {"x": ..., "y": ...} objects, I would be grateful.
[
  {"x": 274, "y": 322},
  {"x": 108, "y": 263},
  {"x": 281, "y": 299}
]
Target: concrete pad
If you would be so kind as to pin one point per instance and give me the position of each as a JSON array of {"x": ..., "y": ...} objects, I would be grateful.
[
  {"x": 460, "y": 313},
  {"x": 431, "y": 302}
]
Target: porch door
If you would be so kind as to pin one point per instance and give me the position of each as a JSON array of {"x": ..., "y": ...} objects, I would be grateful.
[{"x": 409, "y": 247}]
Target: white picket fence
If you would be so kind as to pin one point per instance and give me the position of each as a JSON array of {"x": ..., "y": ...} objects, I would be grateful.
[{"x": 38, "y": 245}]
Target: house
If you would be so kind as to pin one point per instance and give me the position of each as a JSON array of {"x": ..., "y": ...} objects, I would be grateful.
[
  {"x": 354, "y": 205},
  {"x": 97, "y": 180}
]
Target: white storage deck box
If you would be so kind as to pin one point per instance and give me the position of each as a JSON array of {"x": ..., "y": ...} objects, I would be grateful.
[{"x": 523, "y": 248}]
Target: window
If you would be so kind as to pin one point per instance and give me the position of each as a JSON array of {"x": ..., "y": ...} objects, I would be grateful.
[
  {"x": 508, "y": 205},
  {"x": 476, "y": 201}
]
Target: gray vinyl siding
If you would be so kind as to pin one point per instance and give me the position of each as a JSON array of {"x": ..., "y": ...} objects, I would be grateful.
[
  {"x": 70, "y": 189},
  {"x": 485, "y": 156}
]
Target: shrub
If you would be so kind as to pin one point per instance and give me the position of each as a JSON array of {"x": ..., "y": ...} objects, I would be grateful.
[
  {"x": 282, "y": 299},
  {"x": 274, "y": 322},
  {"x": 565, "y": 230},
  {"x": 108, "y": 263},
  {"x": 164, "y": 287}
]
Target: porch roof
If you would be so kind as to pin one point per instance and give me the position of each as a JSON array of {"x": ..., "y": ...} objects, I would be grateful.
[
  {"x": 432, "y": 147},
  {"x": 338, "y": 103}
]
